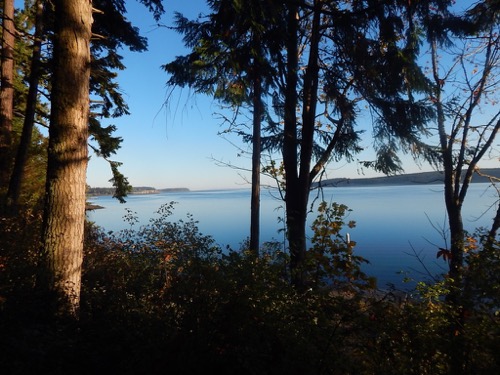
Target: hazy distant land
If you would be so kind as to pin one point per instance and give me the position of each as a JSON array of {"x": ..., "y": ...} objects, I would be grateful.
[
  {"x": 421, "y": 178},
  {"x": 137, "y": 190}
]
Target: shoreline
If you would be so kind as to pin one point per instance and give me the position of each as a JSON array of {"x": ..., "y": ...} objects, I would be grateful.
[
  {"x": 420, "y": 178},
  {"x": 92, "y": 206}
]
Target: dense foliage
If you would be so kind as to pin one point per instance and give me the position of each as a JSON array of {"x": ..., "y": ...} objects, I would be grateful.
[{"x": 164, "y": 298}]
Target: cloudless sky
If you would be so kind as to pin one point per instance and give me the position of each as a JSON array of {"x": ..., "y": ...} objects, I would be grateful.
[
  {"x": 165, "y": 146},
  {"x": 178, "y": 145}
]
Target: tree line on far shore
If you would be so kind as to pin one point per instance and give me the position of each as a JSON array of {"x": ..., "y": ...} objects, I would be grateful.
[{"x": 96, "y": 191}]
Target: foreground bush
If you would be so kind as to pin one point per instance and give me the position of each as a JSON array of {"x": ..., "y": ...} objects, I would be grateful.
[
  {"x": 164, "y": 298},
  {"x": 205, "y": 309}
]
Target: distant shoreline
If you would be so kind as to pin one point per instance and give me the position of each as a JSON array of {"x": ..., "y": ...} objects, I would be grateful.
[
  {"x": 139, "y": 190},
  {"x": 421, "y": 178}
]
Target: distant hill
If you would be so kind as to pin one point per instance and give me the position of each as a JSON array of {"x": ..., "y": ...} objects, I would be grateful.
[
  {"x": 95, "y": 191},
  {"x": 422, "y": 178}
]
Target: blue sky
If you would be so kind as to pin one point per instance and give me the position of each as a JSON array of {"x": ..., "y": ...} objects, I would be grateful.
[
  {"x": 178, "y": 145},
  {"x": 165, "y": 146}
]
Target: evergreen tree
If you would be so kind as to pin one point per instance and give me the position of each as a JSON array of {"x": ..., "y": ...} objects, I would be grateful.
[
  {"x": 230, "y": 61},
  {"x": 314, "y": 62},
  {"x": 334, "y": 73},
  {"x": 71, "y": 86},
  {"x": 111, "y": 31},
  {"x": 68, "y": 154},
  {"x": 18, "y": 172}
]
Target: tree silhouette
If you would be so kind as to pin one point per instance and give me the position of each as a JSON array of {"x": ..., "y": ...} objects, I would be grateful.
[
  {"x": 230, "y": 60},
  {"x": 313, "y": 62}
]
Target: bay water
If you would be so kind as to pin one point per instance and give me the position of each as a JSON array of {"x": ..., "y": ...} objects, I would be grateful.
[{"x": 398, "y": 228}]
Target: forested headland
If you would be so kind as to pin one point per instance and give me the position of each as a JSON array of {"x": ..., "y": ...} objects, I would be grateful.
[
  {"x": 305, "y": 85},
  {"x": 97, "y": 191},
  {"x": 420, "y": 178}
]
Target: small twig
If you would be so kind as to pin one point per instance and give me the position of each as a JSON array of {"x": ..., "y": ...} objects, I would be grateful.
[{"x": 417, "y": 255}]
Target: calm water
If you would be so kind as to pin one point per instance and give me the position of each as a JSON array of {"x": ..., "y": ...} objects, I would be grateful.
[{"x": 392, "y": 222}]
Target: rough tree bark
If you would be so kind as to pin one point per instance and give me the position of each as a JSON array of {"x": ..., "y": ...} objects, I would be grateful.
[
  {"x": 7, "y": 90},
  {"x": 64, "y": 215}
]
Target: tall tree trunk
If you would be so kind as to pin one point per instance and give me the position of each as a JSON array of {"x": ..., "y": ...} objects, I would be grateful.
[
  {"x": 456, "y": 295},
  {"x": 453, "y": 203},
  {"x": 67, "y": 154},
  {"x": 256, "y": 150},
  {"x": 298, "y": 186},
  {"x": 256, "y": 146},
  {"x": 17, "y": 175},
  {"x": 456, "y": 241},
  {"x": 7, "y": 91},
  {"x": 295, "y": 233}
]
